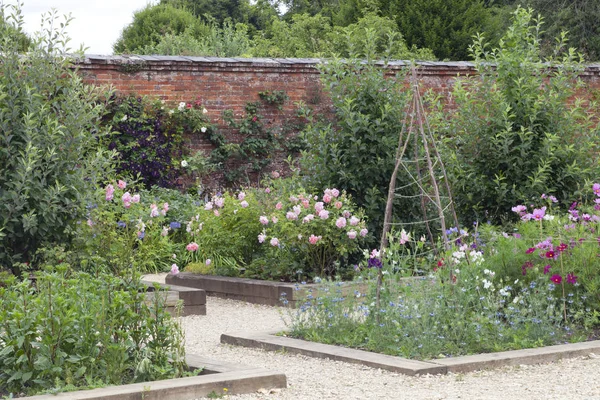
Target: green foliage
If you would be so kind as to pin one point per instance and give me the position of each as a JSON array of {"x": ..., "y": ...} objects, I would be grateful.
[
  {"x": 151, "y": 24},
  {"x": 355, "y": 154},
  {"x": 517, "y": 131},
  {"x": 444, "y": 26},
  {"x": 77, "y": 330},
  {"x": 12, "y": 26},
  {"x": 49, "y": 132}
]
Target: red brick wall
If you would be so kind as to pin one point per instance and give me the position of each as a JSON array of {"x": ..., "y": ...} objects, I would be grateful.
[{"x": 226, "y": 83}]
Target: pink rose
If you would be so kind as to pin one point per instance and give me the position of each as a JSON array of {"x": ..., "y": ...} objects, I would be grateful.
[
  {"x": 126, "y": 197},
  {"x": 244, "y": 204},
  {"x": 264, "y": 220},
  {"x": 363, "y": 232},
  {"x": 109, "y": 192},
  {"x": 308, "y": 218},
  {"x": 352, "y": 234},
  {"x": 279, "y": 206},
  {"x": 354, "y": 221},
  {"x": 327, "y": 198},
  {"x": 338, "y": 204},
  {"x": 346, "y": 214},
  {"x": 135, "y": 198},
  {"x": 166, "y": 207},
  {"x": 314, "y": 239},
  {"x": 324, "y": 214},
  {"x": 267, "y": 190},
  {"x": 291, "y": 215},
  {"x": 274, "y": 242},
  {"x": 121, "y": 184},
  {"x": 305, "y": 203},
  {"x": 192, "y": 246},
  {"x": 174, "y": 269},
  {"x": 217, "y": 213},
  {"x": 335, "y": 192},
  {"x": 319, "y": 206},
  {"x": 340, "y": 222},
  {"x": 153, "y": 211},
  {"x": 274, "y": 219},
  {"x": 261, "y": 238}
]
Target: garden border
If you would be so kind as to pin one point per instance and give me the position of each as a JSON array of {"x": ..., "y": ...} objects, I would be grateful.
[
  {"x": 194, "y": 299},
  {"x": 215, "y": 377},
  {"x": 270, "y": 341}
]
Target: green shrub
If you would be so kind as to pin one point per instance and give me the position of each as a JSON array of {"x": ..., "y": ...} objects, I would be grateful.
[
  {"x": 78, "y": 330},
  {"x": 517, "y": 130},
  {"x": 49, "y": 154}
]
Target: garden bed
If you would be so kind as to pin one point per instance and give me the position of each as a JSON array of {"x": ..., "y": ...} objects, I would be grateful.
[
  {"x": 216, "y": 379},
  {"x": 249, "y": 290},
  {"x": 194, "y": 299},
  {"x": 462, "y": 364}
]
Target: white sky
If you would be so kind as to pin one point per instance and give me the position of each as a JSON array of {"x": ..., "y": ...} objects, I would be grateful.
[{"x": 97, "y": 23}]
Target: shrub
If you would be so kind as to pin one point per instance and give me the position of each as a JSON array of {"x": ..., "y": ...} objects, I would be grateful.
[
  {"x": 75, "y": 330},
  {"x": 517, "y": 131},
  {"x": 149, "y": 137},
  {"x": 49, "y": 154}
]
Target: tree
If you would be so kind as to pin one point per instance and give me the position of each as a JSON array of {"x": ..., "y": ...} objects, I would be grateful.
[
  {"x": 151, "y": 24},
  {"x": 50, "y": 159}
]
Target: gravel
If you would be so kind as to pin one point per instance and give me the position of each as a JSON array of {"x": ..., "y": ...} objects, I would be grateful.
[{"x": 310, "y": 378}]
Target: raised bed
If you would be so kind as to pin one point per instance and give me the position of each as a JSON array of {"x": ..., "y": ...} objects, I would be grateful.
[
  {"x": 250, "y": 290},
  {"x": 462, "y": 364},
  {"x": 215, "y": 377},
  {"x": 194, "y": 299}
]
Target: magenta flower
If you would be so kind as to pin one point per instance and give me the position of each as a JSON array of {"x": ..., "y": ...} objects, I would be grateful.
[
  {"x": 192, "y": 246},
  {"x": 547, "y": 269},
  {"x": 571, "y": 278},
  {"x": 562, "y": 247},
  {"x": 550, "y": 254},
  {"x": 340, "y": 222},
  {"x": 530, "y": 250},
  {"x": 556, "y": 278},
  {"x": 596, "y": 189}
]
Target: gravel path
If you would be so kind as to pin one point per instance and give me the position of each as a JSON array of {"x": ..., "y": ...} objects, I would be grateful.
[{"x": 310, "y": 378}]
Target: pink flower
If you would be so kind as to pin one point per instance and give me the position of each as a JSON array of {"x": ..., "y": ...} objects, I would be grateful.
[
  {"x": 335, "y": 192},
  {"x": 338, "y": 204},
  {"x": 404, "y": 237},
  {"x": 293, "y": 199},
  {"x": 241, "y": 196},
  {"x": 110, "y": 190},
  {"x": 219, "y": 201},
  {"x": 308, "y": 218},
  {"x": 274, "y": 219},
  {"x": 354, "y": 221},
  {"x": 121, "y": 184},
  {"x": 363, "y": 232},
  {"x": 323, "y": 214},
  {"x": 192, "y": 246},
  {"x": 340, "y": 222},
  {"x": 165, "y": 207},
  {"x": 208, "y": 261},
  {"x": 538, "y": 213},
  {"x": 327, "y": 198},
  {"x": 90, "y": 223},
  {"x": 174, "y": 269},
  {"x": 165, "y": 231},
  {"x": 352, "y": 234},
  {"x": 244, "y": 204},
  {"x": 217, "y": 213},
  {"x": 305, "y": 203},
  {"x": 267, "y": 190},
  {"x": 291, "y": 215},
  {"x": 153, "y": 211},
  {"x": 520, "y": 209},
  {"x": 297, "y": 209},
  {"x": 279, "y": 206},
  {"x": 264, "y": 220},
  {"x": 126, "y": 197},
  {"x": 530, "y": 250},
  {"x": 547, "y": 269},
  {"x": 275, "y": 175},
  {"x": 274, "y": 242},
  {"x": 571, "y": 278},
  {"x": 596, "y": 189},
  {"x": 314, "y": 239},
  {"x": 135, "y": 198},
  {"x": 261, "y": 238},
  {"x": 208, "y": 206},
  {"x": 319, "y": 206},
  {"x": 346, "y": 214}
]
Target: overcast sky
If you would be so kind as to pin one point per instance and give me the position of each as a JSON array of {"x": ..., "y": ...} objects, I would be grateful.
[{"x": 97, "y": 23}]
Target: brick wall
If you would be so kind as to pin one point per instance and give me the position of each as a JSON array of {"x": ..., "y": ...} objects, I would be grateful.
[{"x": 229, "y": 83}]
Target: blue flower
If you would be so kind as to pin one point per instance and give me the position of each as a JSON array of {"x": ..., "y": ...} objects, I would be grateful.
[
  {"x": 175, "y": 225},
  {"x": 121, "y": 224}
]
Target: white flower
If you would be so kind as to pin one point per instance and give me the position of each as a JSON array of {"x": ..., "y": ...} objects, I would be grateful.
[
  {"x": 486, "y": 284},
  {"x": 184, "y": 163},
  {"x": 504, "y": 292},
  {"x": 204, "y": 111},
  {"x": 181, "y": 106},
  {"x": 203, "y": 129},
  {"x": 171, "y": 111},
  {"x": 548, "y": 217},
  {"x": 124, "y": 118}
]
